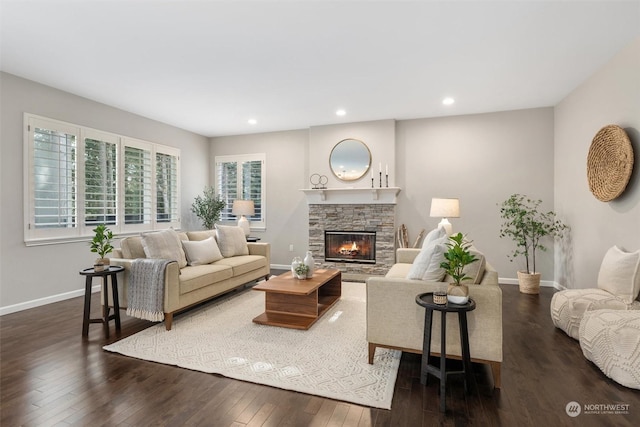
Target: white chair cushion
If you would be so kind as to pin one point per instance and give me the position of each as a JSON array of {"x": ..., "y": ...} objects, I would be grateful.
[
  {"x": 620, "y": 274},
  {"x": 426, "y": 266},
  {"x": 164, "y": 244},
  {"x": 569, "y": 306},
  {"x": 231, "y": 240},
  {"x": 200, "y": 252},
  {"x": 611, "y": 340}
]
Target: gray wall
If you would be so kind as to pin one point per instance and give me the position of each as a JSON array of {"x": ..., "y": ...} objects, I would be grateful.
[
  {"x": 286, "y": 164},
  {"x": 50, "y": 272},
  {"x": 480, "y": 159},
  {"x": 610, "y": 96}
]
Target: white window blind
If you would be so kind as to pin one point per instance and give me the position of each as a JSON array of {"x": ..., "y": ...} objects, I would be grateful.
[
  {"x": 242, "y": 177},
  {"x": 76, "y": 178},
  {"x": 100, "y": 180}
]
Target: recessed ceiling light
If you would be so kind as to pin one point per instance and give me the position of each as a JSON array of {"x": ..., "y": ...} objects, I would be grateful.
[
  {"x": 252, "y": 121},
  {"x": 340, "y": 113},
  {"x": 448, "y": 101}
]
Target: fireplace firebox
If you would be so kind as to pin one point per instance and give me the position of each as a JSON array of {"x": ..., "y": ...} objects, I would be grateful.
[{"x": 350, "y": 246}]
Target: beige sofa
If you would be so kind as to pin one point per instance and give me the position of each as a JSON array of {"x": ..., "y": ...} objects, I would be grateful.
[
  {"x": 395, "y": 321},
  {"x": 188, "y": 286}
]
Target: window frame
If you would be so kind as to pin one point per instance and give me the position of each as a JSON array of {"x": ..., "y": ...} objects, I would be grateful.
[
  {"x": 260, "y": 225},
  {"x": 34, "y": 236}
]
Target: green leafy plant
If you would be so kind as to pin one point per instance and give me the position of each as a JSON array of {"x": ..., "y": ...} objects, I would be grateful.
[
  {"x": 301, "y": 269},
  {"x": 526, "y": 225},
  {"x": 208, "y": 207},
  {"x": 457, "y": 258},
  {"x": 101, "y": 242}
]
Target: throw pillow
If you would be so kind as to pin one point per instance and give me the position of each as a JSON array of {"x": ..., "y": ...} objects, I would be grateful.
[
  {"x": 201, "y": 252},
  {"x": 231, "y": 240},
  {"x": 436, "y": 233},
  {"x": 164, "y": 245},
  {"x": 426, "y": 266},
  {"x": 620, "y": 274}
]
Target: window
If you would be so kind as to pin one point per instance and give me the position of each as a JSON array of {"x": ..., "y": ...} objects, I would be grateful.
[
  {"x": 242, "y": 177},
  {"x": 76, "y": 178}
]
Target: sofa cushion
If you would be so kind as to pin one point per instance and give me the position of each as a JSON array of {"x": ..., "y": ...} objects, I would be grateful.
[
  {"x": 231, "y": 240},
  {"x": 132, "y": 247},
  {"x": 164, "y": 244},
  {"x": 201, "y": 252},
  {"x": 426, "y": 266},
  {"x": 620, "y": 274},
  {"x": 243, "y": 263},
  {"x": 475, "y": 270},
  {"x": 199, "y": 276}
]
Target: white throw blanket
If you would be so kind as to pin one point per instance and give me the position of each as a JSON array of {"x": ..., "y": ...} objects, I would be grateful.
[{"x": 146, "y": 289}]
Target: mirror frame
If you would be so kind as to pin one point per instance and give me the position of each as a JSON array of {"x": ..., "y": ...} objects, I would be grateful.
[{"x": 362, "y": 173}]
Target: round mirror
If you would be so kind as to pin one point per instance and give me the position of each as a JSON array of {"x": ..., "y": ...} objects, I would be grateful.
[{"x": 350, "y": 159}]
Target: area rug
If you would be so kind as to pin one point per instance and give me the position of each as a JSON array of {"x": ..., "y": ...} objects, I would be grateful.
[{"x": 328, "y": 360}]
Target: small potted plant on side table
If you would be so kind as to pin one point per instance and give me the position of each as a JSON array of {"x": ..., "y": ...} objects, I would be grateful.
[
  {"x": 457, "y": 257},
  {"x": 301, "y": 271},
  {"x": 101, "y": 244}
]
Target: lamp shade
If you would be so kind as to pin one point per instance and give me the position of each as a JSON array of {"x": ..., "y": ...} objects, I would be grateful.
[
  {"x": 243, "y": 207},
  {"x": 445, "y": 208}
]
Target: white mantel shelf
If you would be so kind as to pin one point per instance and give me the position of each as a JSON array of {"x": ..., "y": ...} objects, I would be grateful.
[{"x": 352, "y": 196}]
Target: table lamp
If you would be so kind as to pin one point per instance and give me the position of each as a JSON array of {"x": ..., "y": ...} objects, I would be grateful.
[
  {"x": 242, "y": 208},
  {"x": 445, "y": 208}
]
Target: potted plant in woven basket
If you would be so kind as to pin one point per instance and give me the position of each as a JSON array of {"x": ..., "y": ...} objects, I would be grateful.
[
  {"x": 457, "y": 258},
  {"x": 526, "y": 225}
]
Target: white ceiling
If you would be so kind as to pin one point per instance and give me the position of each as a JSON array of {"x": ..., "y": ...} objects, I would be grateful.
[{"x": 209, "y": 66}]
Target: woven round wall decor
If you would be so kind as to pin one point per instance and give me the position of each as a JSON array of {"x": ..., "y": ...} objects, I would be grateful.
[{"x": 609, "y": 163}]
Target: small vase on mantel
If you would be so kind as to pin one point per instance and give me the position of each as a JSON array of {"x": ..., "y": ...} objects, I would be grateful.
[{"x": 309, "y": 262}]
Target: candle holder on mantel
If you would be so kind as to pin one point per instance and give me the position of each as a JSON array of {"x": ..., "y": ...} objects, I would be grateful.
[
  {"x": 387, "y": 180},
  {"x": 380, "y": 179}
]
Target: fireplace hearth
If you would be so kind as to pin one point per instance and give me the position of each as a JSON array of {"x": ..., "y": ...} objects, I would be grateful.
[{"x": 350, "y": 246}]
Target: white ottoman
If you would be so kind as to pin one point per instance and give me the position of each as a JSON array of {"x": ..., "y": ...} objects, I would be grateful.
[
  {"x": 611, "y": 340},
  {"x": 568, "y": 307}
]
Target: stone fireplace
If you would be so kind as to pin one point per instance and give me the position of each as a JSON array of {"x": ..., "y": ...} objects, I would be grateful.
[{"x": 369, "y": 218}]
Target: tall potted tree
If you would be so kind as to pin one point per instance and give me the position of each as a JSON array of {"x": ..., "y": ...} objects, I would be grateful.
[
  {"x": 208, "y": 207},
  {"x": 526, "y": 225}
]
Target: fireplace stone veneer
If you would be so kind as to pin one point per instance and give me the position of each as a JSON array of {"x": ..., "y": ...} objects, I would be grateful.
[{"x": 367, "y": 217}]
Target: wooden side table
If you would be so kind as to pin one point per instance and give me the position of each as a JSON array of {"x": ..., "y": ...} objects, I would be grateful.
[
  {"x": 109, "y": 271},
  {"x": 426, "y": 300}
]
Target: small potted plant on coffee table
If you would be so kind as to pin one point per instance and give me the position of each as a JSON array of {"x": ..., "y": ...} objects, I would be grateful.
[
  {"x": 457, "y": 258},
  {"x": 301, "y": 271}
]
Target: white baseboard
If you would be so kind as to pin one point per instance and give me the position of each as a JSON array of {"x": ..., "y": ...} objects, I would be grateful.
[
  {"x": 543, "y": 283},
  {"x": 281, "y": 266},
  {"x": 46, "y": 300}
]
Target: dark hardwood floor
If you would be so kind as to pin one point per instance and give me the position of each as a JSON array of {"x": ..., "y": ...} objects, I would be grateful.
[{"x": 51, "y": 376}]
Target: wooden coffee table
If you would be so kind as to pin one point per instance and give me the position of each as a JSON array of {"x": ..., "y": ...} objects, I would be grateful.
[{"x": 297, "y": 304}]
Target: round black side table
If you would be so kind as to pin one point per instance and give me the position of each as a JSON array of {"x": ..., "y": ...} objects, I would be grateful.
[
  {"x": 426, "y": 300},
  {"x": 109, "y": 271}
]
